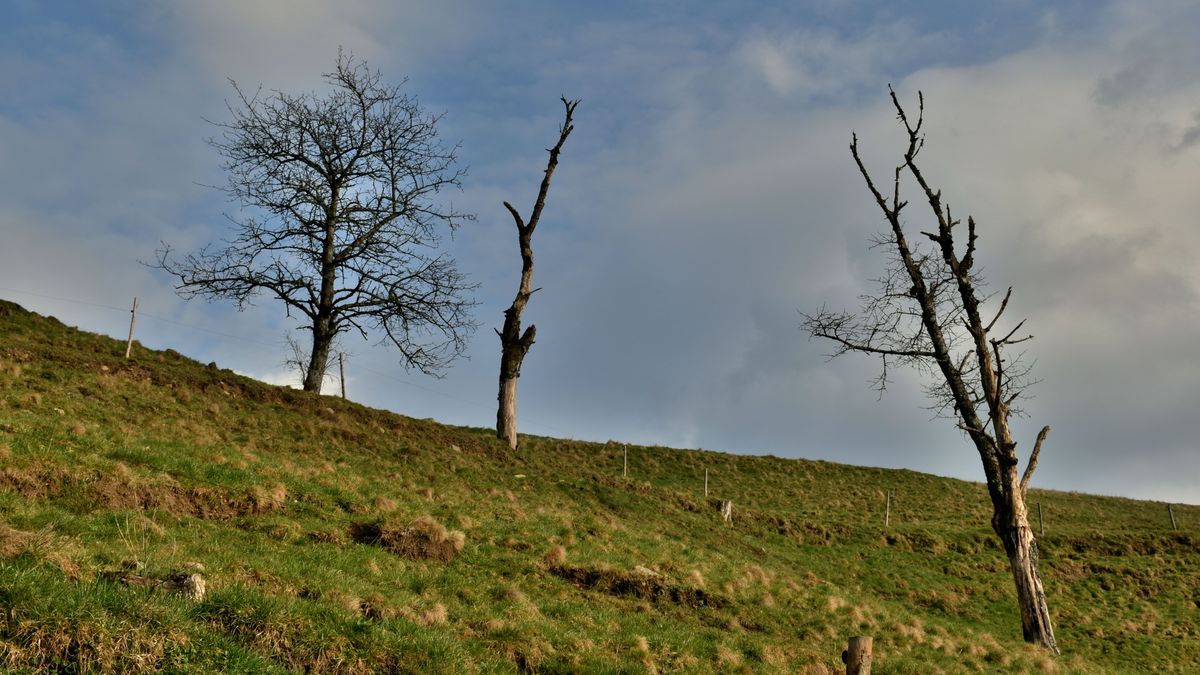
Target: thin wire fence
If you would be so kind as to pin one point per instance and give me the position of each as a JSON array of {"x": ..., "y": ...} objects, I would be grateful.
[{"x": 274, "y": 347}]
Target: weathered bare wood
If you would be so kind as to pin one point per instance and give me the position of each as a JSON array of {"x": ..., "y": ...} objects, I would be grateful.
[
  {"x": 887, "y": 510},
  {"x": 342, "y": 372},
  {"x": 515, "y": 344},
  {"x": 1033, "y": 458},
  {"x": 132, "y": 318},
  {"x": 1171, "y": 512},
  {"x": 927, "y": 314},
  {"x": 858, "y": 655}
]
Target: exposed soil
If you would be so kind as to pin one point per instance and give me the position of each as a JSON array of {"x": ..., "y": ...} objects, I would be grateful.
[{"x": 637, "y": 585}]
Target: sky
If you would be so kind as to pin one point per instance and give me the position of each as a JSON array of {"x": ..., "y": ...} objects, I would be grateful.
[{"x": 706, "y": 198}]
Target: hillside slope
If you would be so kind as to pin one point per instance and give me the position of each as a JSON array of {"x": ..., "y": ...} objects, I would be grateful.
[{"x": 338, "y": 538}]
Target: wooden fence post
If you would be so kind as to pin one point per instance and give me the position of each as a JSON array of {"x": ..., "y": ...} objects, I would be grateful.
[
  {"x": 706, "y": 482},
  {"x": 887, "y": 510},
  {"x": 857, "y": 656},
  {"x": 625, "y": 464},
  {"x": 132, "y": 318},
  {"x": 1171, "y": 512},
  {"x": 342, "y": 372},
  {"x": 1041, "y": 523}
]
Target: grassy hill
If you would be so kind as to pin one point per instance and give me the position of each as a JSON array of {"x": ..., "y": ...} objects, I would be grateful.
[{"x": 339, "y": 538}]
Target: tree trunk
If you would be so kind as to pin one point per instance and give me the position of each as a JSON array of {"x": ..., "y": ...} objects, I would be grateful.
[
  {"x": 513, "y": 347},
  {"x": 506, "y": 414},
  {"x": 1012, "y": 526},
  {"x": 314, "y": 377},
  {"x": 514, "y": 344}
]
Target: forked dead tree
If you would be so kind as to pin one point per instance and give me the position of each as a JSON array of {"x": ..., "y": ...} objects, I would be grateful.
[
  {"x": 514, "y": 344},
  {"x": 926, "y": 313}
]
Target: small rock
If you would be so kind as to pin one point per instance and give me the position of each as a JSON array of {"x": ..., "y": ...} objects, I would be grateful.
[
  {"x": 190, "y": 586},
  {"x": 645, "y": 571}
]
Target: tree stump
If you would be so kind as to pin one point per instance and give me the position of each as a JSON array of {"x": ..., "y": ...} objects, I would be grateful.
[{"x": 726, "y": 507}]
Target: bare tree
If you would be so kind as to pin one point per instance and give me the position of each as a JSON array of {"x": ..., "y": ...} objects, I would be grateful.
[
  {"x": 514, "y": 344},
  {"x": 341, "y": 219},
  {"x": 926, "y": 313}
]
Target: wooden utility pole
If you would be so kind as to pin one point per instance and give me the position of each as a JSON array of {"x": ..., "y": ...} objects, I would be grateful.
[
  {"x": 857, "y": 656},
  {"x": 342, "y": 372},
  {"x": 515, "y": 344},
  {"x": 132, "y": 318}
]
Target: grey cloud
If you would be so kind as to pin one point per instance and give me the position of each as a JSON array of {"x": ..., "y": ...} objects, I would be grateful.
[{"x": 695, "y": 212}]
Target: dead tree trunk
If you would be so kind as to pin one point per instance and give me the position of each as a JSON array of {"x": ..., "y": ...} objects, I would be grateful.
[
  {"x": 514, "y": 344},
  {"x": 928, "y": 314}
]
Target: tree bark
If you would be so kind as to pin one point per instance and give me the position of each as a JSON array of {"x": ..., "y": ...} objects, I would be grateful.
[
  {"x": 506, "y": 414},
  {"x": 314, "y": 376},
  {"x": 1011, "y": 524},
  {"x": 514, "y": 344}
]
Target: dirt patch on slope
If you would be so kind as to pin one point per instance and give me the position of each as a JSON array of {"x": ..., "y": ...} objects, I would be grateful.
[
  {"x": 421, "y": 539},
  {"x": 119, "y": 489},
  {"x": 636, "y": 584}
]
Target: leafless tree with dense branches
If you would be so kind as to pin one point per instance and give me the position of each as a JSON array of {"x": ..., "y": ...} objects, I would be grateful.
[
  {"x": 342, "y": 217},
  {"x": 927, "y": 313},
  {"x": 514, "y": 344}
]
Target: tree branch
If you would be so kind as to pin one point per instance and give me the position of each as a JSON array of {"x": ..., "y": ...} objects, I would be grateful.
[{"x": 1033, "y": 458}]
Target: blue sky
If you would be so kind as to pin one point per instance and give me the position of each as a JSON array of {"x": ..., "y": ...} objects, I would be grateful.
[{"x": 705, "y": 198}]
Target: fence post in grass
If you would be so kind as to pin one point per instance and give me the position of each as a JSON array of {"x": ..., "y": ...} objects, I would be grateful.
[
  {"x": 132, "y": 317},
  {"x": 342, "y": 372},
  {"x": 625, "y": 463},
  {"x": 1171, "y": 512},
  {"x": 706, "y": 482},
  {"x": 1041, "y": 523},
  {"x": 857, "y": 656},
  {"x": 887, "y": 510}
]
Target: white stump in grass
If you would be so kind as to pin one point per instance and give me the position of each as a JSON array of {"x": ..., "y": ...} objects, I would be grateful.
[{"x": 726, "y": 507}]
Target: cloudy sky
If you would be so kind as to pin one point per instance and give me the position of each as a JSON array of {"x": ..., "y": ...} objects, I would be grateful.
[{"x": 705, "y": 199}]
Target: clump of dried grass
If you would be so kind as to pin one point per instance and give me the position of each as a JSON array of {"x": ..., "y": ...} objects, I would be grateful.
[
  {"x": 434, "y": 616},
  {"x": 557, "y": 555},
  {"x": 266, "y": 500},
  {"x": 727, "y": 658},
  {"x": 45, "y": 545}
]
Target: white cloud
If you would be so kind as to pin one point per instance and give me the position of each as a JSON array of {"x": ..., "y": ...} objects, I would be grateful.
[{"x": 816, "y": 62}]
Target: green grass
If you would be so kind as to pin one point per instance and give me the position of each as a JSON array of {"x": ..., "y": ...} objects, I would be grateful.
[{"x": 298, "y": 506}]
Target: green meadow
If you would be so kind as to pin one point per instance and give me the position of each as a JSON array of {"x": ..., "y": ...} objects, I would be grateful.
[{"x": 332, "y": 537}]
